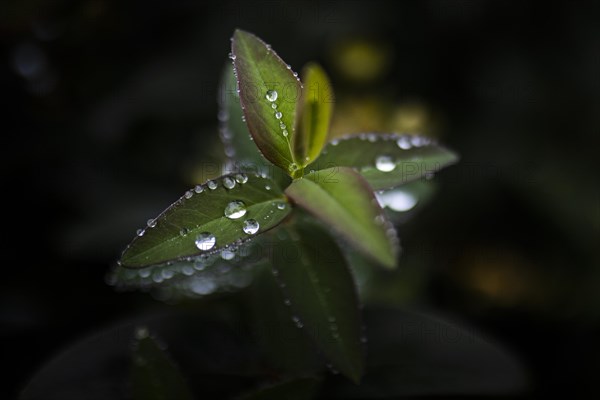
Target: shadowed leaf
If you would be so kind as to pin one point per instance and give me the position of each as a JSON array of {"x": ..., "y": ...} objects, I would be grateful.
[
  {"x": 322, "y": 297},
  {"x": 154, "y": 376},
  {"x": 295, "y": 389}
]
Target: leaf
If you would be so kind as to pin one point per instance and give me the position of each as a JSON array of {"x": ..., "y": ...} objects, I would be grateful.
[
  {"x": 288, "y": 349},
  {"x": 343, "y": 200},
  {"x": 314, "y": 278},
  {"x": 295, "y": 389},
  {"x": 386, "y": 160},
  {"x": 316, "y": 107},
  {"x": 154, "y": 376},
  {"x": 259, "y": 70},
  {"x": 239, "y": 147},
  {"x": 173, "y": 234}
]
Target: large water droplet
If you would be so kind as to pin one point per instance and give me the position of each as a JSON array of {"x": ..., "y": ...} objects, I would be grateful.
[
  {"x": 151, "y": 223},
  {"x": 188, "y": 194},
  {"x": 293, "y": 167},
  {"x": 267, "y": 187},
  {"x": 281, "y": 206},
  {"x": 140, "y": 232},
  {"x": 184, "y": 231},
  {"x": 272, "y": 95},
  {"x": 250, "y": 226},
  {"x": 212, "y": 185},
  {"x": 278, "y": 115},
  {"x": 205, "y": 241},
  {"x": 228, "y": 182},
  {"x": 241, "y": 178},
  {"x": 284, "y": 132},
  {"x": 385, "y": 163},
  {"x": 199, "y": 189},
  {"x": 235, "y": 209}
]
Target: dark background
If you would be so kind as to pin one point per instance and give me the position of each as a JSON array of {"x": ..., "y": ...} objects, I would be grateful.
[{"x": 109, "y": 114}]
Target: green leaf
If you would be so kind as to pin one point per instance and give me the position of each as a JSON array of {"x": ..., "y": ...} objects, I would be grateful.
[
  {"x": 386, "y": 160},
  {"x": 343, "y": 200},
  {"x": 174, "y": 233},
  {"x": 259, "y": 70},
  {"x": 320, "y": 290},
  {"x": 154, "y": 376},
  {"x": 295, "y": 389},
  {"x": 316, "y": 107},
  {"x": 239, "y": 147}
]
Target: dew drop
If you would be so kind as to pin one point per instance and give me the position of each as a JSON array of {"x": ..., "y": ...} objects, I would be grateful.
[
  {"x": 205, "y": 241},
  {"x": 227, "y": 254},
  {"x": 278, "y": 115},
  {"x": 228, "y": 182},
  {"x": 184, "y": 231},
  {"x": 335, "y": 142},
  {"x": 250, "y": 226},
  {"x": 272, "y": 95},
  {"x": 385, "y": 163},
  {"x": 151, "y": 223},
  {"x": 267, "y": 187},
  {"x": 144, "y": 273},
  {"x": 189, "y": 194},
  {"x": 212, "y": 185},
  {"x": 281, "y": 206},
  {"x": 199, "y": 189},
  {"x": 140, "y": 232},
  {"x": 287, "y": 302},
  {"x": 284, "y": 132},
  {"x": 167, "y": 274},
  {"x": 235, "y": 209},
  {"x": 187, "y": 270},
  {"x": 232, "y": 56},
  {"x": 404, "y": 143},
  {"x": 282, "y": 125},
  {"x": 241, "y": 178},
  {"x": 293, "y": 167}
]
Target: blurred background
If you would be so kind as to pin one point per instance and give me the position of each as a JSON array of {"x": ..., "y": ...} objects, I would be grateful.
[{"x": 109, "y": 114}]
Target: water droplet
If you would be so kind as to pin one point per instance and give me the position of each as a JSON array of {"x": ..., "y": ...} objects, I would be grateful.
[
  {"x": 278, "y": 115},
  {"x": 418, "y": 141},
  {"x": 232, "y": 56},
  {"x": 272, "y": 95},
  {"x": 380, "y": 220},
  {"x": 167, "y": 273},
  {"x": 227, "y": 254},
  {"x": 235, "y": 209},
  {"x": 205, "y": 241},
  {"x": 284, "y": 132},
  {"x": 241, "y": 178},
  {"x": 144, "y": 273},
  {"x": 212, "y": 185},
  {"x": 187, "y": 270},
  {"x": 287, "y": 302},
  {"x": 274, "y": 106},
  {"x": 282, "y": 125},
  {"x": 385, "y": 163},
  {"x": 397, "y": 199},
  {"x": 267, "y": 187},
  {"x": 371, "y": 137},
  {"x": 293, "y": 167},
  {"x": 199, "y": 189},
  {"x": 140, "y": 232},
  {"x": 250, "y": 226},
  {"x": 296, "y": 74},
  {"x": 228, "y": 182},
  {"x": 188, "y": 194},
  {"x": 151, "y": 223},
  {"x": 184, "y": 231},
  {"x": 404, "y": 143},
  {"x": 335, "y": 142},
  {"x": 281, "y": 206}
]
